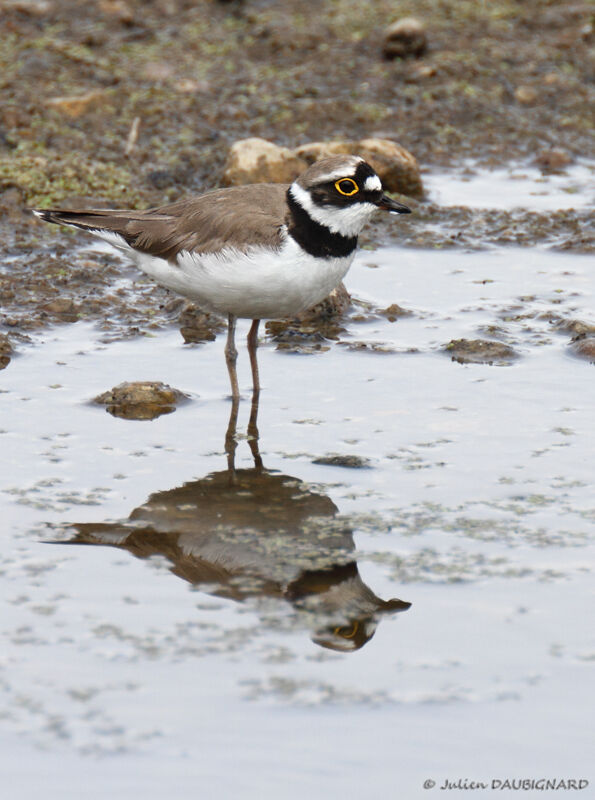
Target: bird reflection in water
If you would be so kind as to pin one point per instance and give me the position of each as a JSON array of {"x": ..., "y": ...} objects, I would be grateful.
[{"x": 243, "y": 533}]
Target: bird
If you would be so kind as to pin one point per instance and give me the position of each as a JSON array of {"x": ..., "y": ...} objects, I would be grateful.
[{"x": 257, "y": 251}]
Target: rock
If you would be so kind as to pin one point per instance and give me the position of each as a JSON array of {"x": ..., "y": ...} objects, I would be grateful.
[
  {"x": 553, "y": 160},
  {"x": 526, "y": 95},
  {"x": 422, "y": 72},
  {"x": 405, "y": 38},
  {"x": 575, "y": 326},
  {"x": 198, "y": 326},
  {"x": 78, "y": 105},
  {"x": 62, "y": 308},
  {"x": 583, "y": 345},
  {"x": 359, "y": 346},
  {"x": 335, "y": 305},
  {"x": 394, "y": 311},
  {"x": 141, "y": 400},
  {"x": 118, "y": 10},
  {"x": 314, "y": 151},
  {"x": 338, "y": 460},
  {"x": 190, "y": 86},
  {"x": 480, "y": 351},
  {"x": 397, "y": 167},
  {"x": 309, "y": 330},
  {"x": 5, "y": 350},
  {"x": 258, "y": 161},
  {"x": 552, "y": 79}
]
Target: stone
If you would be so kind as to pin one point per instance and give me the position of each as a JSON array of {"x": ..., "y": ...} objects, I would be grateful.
[
  {"x": 553, "y": 160},
  {"x": 394, "y": 311},
  {"x": 480, "y": 351},
  {"x": 397, "y": 167},
  {"x": 198, "y": 326},
  {"x": 405, "y": 38},
  {"x": 259, "y": 161},
  {"x": 5, "y": 350},
  {"x": 575, "y": 326},
  {"x": 422, "y": 72},
  {"x": 333, "y": 306},
  {"x": 141, "y": 400},
  {"x": 309, "y": 330},
  {"x": 583, "y": 345},
  {"x": 526, "y": 95},
  {"x": 118, "y": 10},
  {"x": 346, "y": 461},
  {"x": 77, "y": 105},
  {"x": 63, "y": 309},
  {"x": 314, "y": 151}
]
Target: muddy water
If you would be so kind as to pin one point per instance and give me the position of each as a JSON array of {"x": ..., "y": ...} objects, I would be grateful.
[{"x": 170, "y": 629}]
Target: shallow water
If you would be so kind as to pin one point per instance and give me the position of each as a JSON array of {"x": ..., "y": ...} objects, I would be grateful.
[
  {"x": 180, "y": 642},
  {"x": 514, "y": 186}
]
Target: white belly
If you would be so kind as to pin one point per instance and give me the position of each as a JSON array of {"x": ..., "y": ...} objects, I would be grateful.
[{"x": 260, "y": 284}]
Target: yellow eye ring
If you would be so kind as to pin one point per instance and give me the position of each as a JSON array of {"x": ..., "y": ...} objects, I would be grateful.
[
  {"x": 347, "y": 633},
  {"x": 348, "y": 181}
]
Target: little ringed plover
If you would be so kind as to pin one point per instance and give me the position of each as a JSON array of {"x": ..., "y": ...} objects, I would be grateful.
[{"x": 262, "y": 251}]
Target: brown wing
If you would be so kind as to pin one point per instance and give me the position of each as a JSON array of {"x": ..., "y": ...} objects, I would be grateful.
[{"x": 240, "y": 217}]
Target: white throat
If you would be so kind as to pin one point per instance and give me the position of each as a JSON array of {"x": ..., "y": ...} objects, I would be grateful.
[{"x": 347, "y": 221}]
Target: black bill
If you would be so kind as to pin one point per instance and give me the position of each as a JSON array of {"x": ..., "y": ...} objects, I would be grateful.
[{"x": 388, "y": 204}]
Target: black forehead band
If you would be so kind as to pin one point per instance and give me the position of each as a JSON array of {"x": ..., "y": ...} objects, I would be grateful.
[{"x": 363, "y": 172}]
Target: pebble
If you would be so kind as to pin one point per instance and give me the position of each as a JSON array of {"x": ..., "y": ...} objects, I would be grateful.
[
  {"x": 553, "y": 160},
  {"x": 405, "y": 38},
  {"x": 393, "y": 312},
  {"x": 77, "y": 105},
  {"x": 526, "y": 95}
]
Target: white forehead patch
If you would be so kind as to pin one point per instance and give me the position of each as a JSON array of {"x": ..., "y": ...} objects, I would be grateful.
[{"x": 373, "y": 184}]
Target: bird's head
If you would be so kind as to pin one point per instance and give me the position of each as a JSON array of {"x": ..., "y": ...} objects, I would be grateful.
[{"x": 341, "y": 193}]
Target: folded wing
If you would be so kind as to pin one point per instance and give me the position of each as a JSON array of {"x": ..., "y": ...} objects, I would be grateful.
[{"x": 241, "y": 217}]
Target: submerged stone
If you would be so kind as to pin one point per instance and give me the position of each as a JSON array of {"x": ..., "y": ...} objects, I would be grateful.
[
  {"x": 583, "y": 345},
  {"x": 141, "y": 400},
  {"x": 338, "y": 460},
  {"x": 480, "y": 351}
]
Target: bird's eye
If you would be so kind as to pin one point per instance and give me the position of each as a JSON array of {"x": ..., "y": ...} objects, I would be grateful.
[
  {"x": 347, "y": 186},
  {"x": 347, "y": 632}
]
